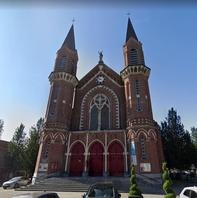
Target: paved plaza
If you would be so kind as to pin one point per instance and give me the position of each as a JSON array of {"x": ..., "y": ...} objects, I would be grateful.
[{"x": 10, "y": 193}]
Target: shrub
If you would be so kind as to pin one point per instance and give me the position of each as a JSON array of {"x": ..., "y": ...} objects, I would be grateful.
[
  {"x": 134, "y": 191},
  {"x": 167, "y": 183}
]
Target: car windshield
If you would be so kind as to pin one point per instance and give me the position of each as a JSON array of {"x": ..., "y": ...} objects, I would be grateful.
[
  {"x": 102, "y": 191},
  {"x": 15, "y": 179}
]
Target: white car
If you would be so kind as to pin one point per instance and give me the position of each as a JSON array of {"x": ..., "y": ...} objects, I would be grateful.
[
  {"x": 189, "y": 192},
  {"x": 15, "y": 182}
]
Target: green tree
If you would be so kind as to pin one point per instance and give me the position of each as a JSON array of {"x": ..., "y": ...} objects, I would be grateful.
[
  {"x": 177, "y": 144},
  {"x": 32, "y": 147},
  {"x": 1, "y": 127},
  {"x": 194, "y": 135},
  {"x": 17, "y": 149},
  {"x": 134, "y": 191},
  {"x": 167, "y": 183}
]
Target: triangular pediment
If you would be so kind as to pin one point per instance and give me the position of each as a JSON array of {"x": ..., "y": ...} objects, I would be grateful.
[{"x": 101, "y": 69}]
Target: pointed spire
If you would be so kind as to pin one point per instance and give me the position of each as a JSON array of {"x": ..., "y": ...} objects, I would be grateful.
[
  {"x": 70, "y": 39},
  {"x": 130, "y": 31}
]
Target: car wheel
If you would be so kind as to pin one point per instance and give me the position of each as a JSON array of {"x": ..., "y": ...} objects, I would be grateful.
[
  {"x": 16, "y": 185},
  {"x": 4, "y": 187}
]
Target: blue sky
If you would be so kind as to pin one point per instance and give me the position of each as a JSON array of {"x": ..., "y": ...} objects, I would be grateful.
[{"x": 30, "y": 37}]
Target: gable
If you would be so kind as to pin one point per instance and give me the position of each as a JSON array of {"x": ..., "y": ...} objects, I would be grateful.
[{"x": 103, "y": 70}]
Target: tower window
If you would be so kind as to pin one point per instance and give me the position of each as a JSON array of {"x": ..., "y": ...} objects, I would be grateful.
[
  {"x": 138, "y": 99},
  {"x": 137, "y": 86},
  {"x": 133, "y": 59},
  {"x": 143, "y": 147},
  {"x": 63, "y": 62},
  {"x": 138, "y": 107},
  {"x": 53, "y": 104},
  {"x": 99, "y": 113}
]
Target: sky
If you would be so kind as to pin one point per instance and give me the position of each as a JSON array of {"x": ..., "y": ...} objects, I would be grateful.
[{"x": 31, "y": 35}]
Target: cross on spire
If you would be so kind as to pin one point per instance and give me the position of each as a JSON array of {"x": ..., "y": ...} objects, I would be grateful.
[{"x": 128, "y": 14}]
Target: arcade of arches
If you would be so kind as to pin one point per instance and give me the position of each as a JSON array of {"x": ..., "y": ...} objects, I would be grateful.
[{"x": 97, "y": 162}]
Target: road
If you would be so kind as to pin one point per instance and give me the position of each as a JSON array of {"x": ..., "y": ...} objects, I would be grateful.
[{"x": 10, "y": 193}]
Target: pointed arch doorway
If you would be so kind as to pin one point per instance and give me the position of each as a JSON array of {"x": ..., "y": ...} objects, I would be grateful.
[
  {"x": 77, "y": 159},
  {"x": 96, "y": 159},
  {"x": 116, "y": 159}
]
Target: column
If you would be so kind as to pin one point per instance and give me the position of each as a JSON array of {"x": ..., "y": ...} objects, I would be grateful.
[
  {"x": 67, "y": 155},
  {"x": 125, "y": 153},
  {"x": 85, "y": 172},
  {"x": 106, "y": 173}
]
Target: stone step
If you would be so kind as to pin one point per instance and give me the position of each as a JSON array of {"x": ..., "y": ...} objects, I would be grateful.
[{"x": 74, "y": 184}]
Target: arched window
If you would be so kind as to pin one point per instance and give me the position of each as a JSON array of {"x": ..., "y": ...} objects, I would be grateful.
[
  {"x": 53, "y": 103},
  {"x": 133, "y": 57},
  {"x": 99, "y": 113},
  {"x": 138, "y": 99},
  {"x": 47, "y": 146},
  {"x": 63, "y": 62}
]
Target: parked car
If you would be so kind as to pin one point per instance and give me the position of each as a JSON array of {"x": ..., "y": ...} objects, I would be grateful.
[
  {"x": 15, "y": 182},
  {"x": 102, "y": 190},
  {"x": 38, "y": 195},
  {"x": 189, "y": 192}
]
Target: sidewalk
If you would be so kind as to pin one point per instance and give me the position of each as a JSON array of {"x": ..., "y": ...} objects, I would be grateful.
[{"x": 10, "y": 193}]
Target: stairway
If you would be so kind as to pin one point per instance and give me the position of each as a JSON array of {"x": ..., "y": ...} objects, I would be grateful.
[{"x": 81, "y": 184}]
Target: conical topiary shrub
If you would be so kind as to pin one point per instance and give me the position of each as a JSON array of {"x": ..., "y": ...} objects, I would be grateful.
[
  {"x": 134, "y": 191},
  {"x": 167, "y": 183}
]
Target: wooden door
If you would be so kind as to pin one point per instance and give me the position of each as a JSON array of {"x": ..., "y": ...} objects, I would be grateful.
[
  {"x": 116, "y": 159},
  {"x": 96, "y": 159},
  {"x": 77, "y": 160}
]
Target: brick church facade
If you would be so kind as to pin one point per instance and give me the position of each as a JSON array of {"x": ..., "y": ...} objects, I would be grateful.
[{"x": 103, "y": 123}]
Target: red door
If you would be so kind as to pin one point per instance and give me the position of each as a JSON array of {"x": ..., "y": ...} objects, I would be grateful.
[
  {"x": 116, "y": 160},
  {"x": 96, "y": 159},
  {"x": 77, "y": 160}
]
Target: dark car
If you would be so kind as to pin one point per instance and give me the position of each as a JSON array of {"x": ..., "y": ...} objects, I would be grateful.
[
  {"x": 38, "y": 195},
  {"x": 102, "y": 190}
]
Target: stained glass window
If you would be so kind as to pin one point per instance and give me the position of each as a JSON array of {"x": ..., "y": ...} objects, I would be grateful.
[{"x": 99, "y": 113}]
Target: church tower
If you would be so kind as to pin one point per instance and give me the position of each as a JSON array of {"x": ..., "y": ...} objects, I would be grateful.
[
  {"x": 51, "y": 156},
  {"x": 63, "y": 81},
  {"x": 143, "y": 131}
]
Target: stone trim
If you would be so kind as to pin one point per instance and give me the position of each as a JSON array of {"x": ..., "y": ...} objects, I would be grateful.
[
  {"x": 55, "y": 76},
  {"x": 133, "y": 70},
  {"x": 100, "y": 73},
  {"x": 134, "y": 134},
  {"x": 85, "y": 99},
  {"x": 102, "y": 131}
]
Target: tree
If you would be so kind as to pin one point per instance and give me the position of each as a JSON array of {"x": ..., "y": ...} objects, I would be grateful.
[
  {"x": 167, "y": 183},
  {"x": 134, "y": 191},
  {"x": 1, "y": 127},
  {"x": 17, "y": 149},
  {"x": 32, "y": 147},
  {"x": 177, "y": 144},
  {"x": 194, "y": 135}
]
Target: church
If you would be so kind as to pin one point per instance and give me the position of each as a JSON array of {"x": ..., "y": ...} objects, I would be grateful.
[{"x": 101, "y": 124}]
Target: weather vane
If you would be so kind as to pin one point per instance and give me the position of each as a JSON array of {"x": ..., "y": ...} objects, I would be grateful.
[
  {"x": 73, "y": 20},
  {"x": 128, "y": 14}
]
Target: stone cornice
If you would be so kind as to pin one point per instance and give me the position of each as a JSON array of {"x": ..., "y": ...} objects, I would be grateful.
[
  {"x": 142, "y": 122},
  {"x": 135, "y": 69},
  {"x": 55, "y": 76},
  {"x": 101, "y": 131}
]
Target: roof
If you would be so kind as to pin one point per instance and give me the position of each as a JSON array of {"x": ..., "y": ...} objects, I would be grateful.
[
  {"x": 70, "y": 39},
  {"x": 107, "y": 70},
  {"x": 130, "y": 31}
]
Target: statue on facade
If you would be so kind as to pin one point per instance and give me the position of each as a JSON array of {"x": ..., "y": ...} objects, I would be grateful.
[{"x": 100, "y": 56}]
